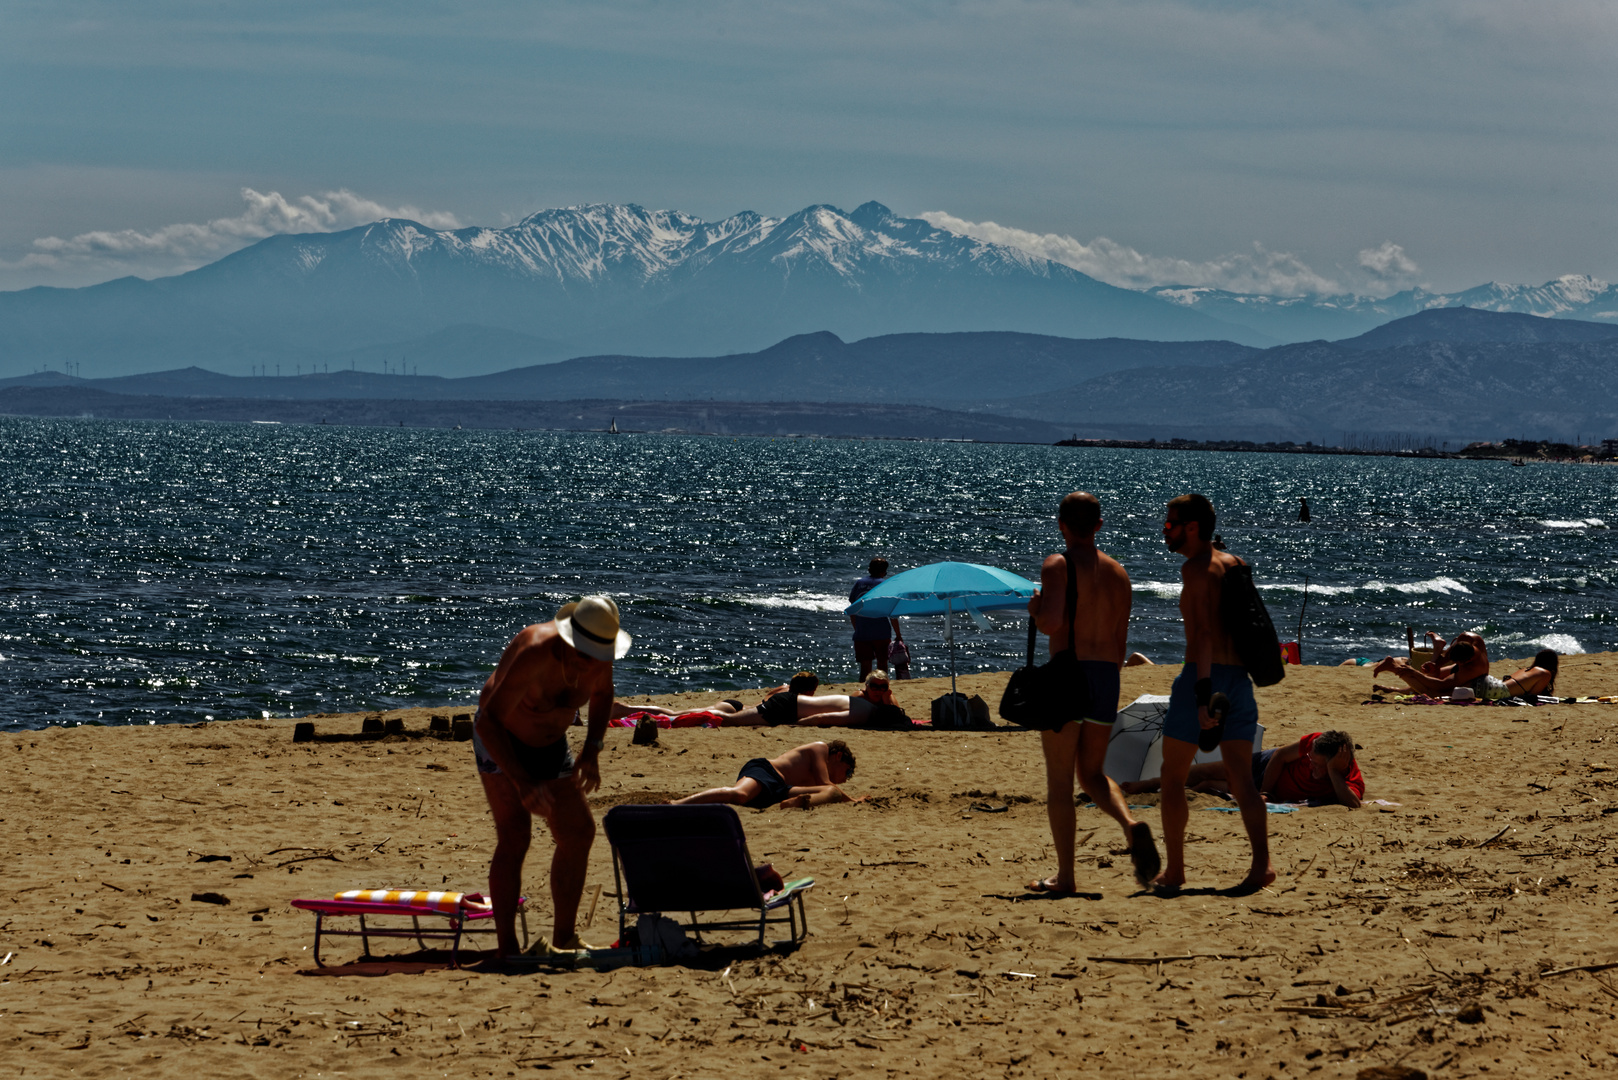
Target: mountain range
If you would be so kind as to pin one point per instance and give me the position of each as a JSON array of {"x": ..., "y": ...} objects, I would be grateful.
[
  {"x": 1307, "y": 318},
  {"x": 1445, "y": 374},
  {"x": 573, "y": 282}
]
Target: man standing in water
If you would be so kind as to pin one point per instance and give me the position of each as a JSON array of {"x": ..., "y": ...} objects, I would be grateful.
[
  {"x": 546, "y": 674},
  {"x": 1098, "y": 632},
  {"x": 1211, "y": 667}
]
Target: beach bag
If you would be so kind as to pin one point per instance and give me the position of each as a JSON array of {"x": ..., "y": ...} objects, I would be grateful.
[
  {"x": 899, "y": 659},
  {"x": 951, "y": 712},
  {"x": 1047, "y": 696},
  {"x": 1247, "y": 621}
]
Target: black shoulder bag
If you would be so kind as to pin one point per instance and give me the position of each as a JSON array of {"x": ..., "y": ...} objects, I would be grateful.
[
  {"x": 1046, "y": 697},
  {"x": 1247, "y": 621}
]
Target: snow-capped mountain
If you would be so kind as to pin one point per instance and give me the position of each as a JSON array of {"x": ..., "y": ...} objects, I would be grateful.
[
  {"x": 582, "y": 280},
  {"x": 1304, "y": 318}
]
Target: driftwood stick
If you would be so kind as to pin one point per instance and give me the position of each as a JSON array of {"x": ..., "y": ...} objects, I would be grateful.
[
  {"x": 1579, "y": 967},
  {"x": 595, "y": 898},
  {"x": 1495, "y": 837},
  {"x": 1170, "y": 959}
]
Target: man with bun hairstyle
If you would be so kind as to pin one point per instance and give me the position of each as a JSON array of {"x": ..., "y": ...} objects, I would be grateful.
[
  {"x": 1212, "y": 690},
  {"x": 547, "y": 673}
]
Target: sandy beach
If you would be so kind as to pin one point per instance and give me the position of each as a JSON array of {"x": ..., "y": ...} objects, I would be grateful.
[{"x": 1443, "y": 929}]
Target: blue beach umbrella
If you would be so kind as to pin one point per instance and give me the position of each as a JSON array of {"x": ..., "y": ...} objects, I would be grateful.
[{"x": 942, "y": 589}]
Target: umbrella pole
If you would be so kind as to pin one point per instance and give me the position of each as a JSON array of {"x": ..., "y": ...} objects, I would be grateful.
[{"x": 949, "y": 631}]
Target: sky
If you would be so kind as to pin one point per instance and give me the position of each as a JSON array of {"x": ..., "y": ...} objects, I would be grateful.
[{"x": 1275, "y": 147}]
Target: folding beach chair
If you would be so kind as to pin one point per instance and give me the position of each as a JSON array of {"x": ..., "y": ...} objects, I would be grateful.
[
  {"x": 411, "y": 905},
  {"x": 674, "y": 859}
]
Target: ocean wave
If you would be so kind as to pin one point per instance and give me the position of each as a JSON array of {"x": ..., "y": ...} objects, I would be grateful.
[
  {"x": 1321, "y": 590},
  {"x": 1513, "y": 644},
  {"x": 1168, "y": 590},
  {"x": 1444, "y": 585},
  {"x": 1583, "y": 523},
  {"x": 802, "y": 601}
]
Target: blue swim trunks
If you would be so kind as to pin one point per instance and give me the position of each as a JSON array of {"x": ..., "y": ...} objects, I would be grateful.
[{"x": 1230, "y": 679}]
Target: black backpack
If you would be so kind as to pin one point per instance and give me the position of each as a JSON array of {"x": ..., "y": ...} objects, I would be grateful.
[{"x": 1248, "y": 623}]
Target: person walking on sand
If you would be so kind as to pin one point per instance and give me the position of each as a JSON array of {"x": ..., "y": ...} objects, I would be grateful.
[
  {"x": 546, "y": 673},
  {"x": 871, "y": 635},
  {"x": 804, "y": 776},
  {"x": 1098, "y": 633},
  {"x": 1213, "y": 676}
]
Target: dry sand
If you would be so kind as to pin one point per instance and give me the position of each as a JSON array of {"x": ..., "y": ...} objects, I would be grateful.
[{"x": 1434, "y": 934}]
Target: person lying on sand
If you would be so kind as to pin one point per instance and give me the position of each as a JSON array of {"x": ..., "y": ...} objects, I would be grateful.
[
  {"x": 519, "y": 740},
  {"x": 802, "y": 777},
  {"x": 1455, "y": 664},
  {"x": 1537, "y": 678},
  {"x": 874, "y": 708},
  {"x": 1318, "y": 769}
]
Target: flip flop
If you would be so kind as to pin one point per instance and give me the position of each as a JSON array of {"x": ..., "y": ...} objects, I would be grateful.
[
  {"x": 1143, "y": 853},
  {"x": 1046, "y": 888},
  {"x": 1210, "y": 738}
]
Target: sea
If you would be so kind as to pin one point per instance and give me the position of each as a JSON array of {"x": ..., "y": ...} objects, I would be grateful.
[{"x": 160, "y": 572}]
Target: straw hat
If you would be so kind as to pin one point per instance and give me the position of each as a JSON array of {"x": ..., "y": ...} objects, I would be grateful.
[{"x": 591, "y": 626}]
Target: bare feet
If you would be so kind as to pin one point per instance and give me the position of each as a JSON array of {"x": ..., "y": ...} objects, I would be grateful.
[
  {"x": 1253, "y": 882},
  {"x": 1387, "y": 663},
  {"x": 1165, "y": 884},
  {"x": 1050, "y": 885}
]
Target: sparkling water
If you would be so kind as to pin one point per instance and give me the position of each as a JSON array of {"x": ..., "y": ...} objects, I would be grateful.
[{"x": 164, "y": 572}]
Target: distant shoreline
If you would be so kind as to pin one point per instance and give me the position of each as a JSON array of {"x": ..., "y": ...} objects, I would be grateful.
[{"x": 1540, "y": 452}]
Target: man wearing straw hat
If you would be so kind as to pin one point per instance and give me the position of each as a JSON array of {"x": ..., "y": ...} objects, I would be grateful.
[{"x": 546, "y": 674}]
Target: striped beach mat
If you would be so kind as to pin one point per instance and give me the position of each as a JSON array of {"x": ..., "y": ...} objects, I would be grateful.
[{"x": 447, "y": 903}]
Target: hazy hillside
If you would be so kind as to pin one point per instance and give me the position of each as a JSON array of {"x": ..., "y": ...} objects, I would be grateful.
[
  {"x": 1317, "y": 391},
  {"x": 922, "y": 368}
]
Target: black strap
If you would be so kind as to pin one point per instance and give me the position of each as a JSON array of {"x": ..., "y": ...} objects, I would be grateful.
[{"x": 1070, "y": 605}]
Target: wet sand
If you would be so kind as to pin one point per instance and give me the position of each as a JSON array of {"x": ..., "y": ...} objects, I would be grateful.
[{"x": 1436, "y": 934}]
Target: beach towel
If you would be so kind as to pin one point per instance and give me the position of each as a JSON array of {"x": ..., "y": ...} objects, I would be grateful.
[
  {"x": 445, "y": 903},
  {"x": 698, "y": 718}
]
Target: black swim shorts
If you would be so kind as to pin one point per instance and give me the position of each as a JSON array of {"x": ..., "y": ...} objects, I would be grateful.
[
  {"x": 775, "y": 788},
  {"x": 780, "y": 709},
  {"x": 550, "y": 762}
]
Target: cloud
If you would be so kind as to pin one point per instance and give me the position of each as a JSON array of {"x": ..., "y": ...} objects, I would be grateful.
[
  {"x": 184, "y": 246},
  {"x": 1273, "y": 273},
  {"x": 1389, "y": 262}
]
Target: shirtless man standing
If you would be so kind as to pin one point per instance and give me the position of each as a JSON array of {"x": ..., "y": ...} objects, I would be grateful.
[
  {"x": 1211, "y": 665},
  {"x": 802, "y": 777},
  {"x": 547, "y": 672},
  {"x": 1099, "y": 633}
]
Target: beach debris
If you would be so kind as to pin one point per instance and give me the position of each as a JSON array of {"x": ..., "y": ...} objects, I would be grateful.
[
  {"x": 210, "y": 898},
  {"x": 1390, "y": 1072},
  {"x": 989, "y": 808},
  {"x": 211, "y": 858}
]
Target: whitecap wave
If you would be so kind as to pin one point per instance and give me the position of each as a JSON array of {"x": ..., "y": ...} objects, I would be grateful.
[
  {"x": 1581, "y": 523},
  {"x": 1168, "y": 590},
  {"x": 1314, "y": 589},
  {"x": 802, "y": 601},
  {"x": 1444, "y": 585}
]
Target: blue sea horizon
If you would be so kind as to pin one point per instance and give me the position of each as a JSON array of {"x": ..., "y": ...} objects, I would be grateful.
[{"x": 162, "y": 572}]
